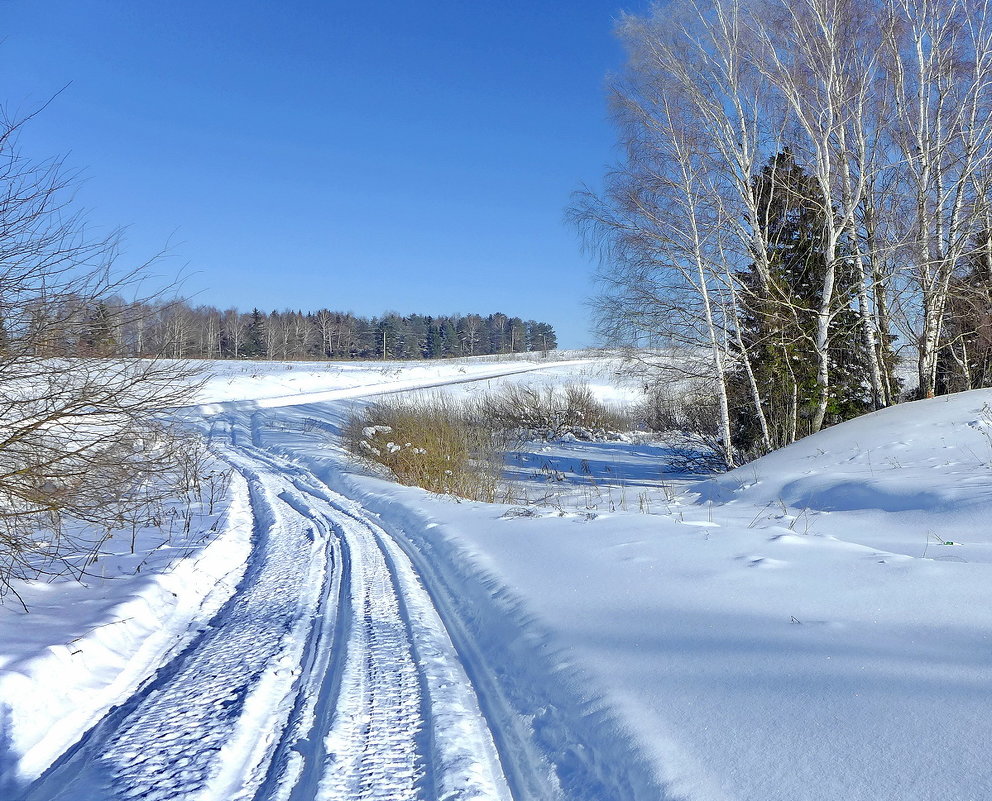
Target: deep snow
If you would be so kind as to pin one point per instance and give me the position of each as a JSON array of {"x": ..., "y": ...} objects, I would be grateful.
[{"x": 799, "y": 628}]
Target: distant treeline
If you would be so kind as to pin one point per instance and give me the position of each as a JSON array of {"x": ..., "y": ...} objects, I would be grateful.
[{"x": 180, "y": 330}]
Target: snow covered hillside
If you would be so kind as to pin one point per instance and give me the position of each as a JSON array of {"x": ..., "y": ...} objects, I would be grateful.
[{"x": 814, "y": 625}]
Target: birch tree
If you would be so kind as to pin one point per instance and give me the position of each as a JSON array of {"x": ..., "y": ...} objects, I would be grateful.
[
  {"x": 885, "y": 104},
  {"x": 940, "y": 57}
]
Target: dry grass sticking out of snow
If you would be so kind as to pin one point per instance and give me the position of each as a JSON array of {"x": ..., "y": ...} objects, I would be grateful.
[{"x": 428, "y": 441}]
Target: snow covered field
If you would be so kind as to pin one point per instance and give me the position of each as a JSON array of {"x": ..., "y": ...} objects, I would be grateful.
[{"x": 814, "y": 625}]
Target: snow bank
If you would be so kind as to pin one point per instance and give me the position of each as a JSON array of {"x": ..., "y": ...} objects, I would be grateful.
[
  {"x": 908, "y": 479},
  {"x": 776, "y": 635},
  {"x": 85, "y": 645}
]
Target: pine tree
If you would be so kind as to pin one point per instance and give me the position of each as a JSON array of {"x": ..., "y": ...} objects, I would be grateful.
[
  {"x": 254, "y": 339},
  {"x": 497, "y": 327},
  {"x": 518, "y": 335},
  {"x": 541, "y": 337},
  {"x": 778, "y": 318},
  {"x": 965, "y": 359}
]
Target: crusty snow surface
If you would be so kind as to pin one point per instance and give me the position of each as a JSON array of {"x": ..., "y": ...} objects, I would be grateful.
[{"x": 815, "y": 625}]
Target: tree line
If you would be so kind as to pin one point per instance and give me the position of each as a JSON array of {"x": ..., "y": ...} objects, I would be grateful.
[
  {"x": 106, "y": 327},
  {"x": 84, "y": 448},
  {"x": 805, "y": 199}
]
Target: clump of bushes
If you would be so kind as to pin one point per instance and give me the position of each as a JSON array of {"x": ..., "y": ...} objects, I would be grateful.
[
  {"x": 666, "y": 411},
  {"x": 430, "y": 442},
  {"x": 551, "y": 413},
  {"x": 447, "y": 447},
  {"x": 689, "y": 423}
]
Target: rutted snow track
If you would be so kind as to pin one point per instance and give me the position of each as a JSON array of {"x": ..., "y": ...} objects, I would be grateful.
[{"x": 327, "y": 675}]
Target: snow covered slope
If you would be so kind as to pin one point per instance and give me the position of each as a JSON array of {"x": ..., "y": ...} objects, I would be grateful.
[
  {"x": 793, "y": 630},
  {"x": 907, "y": 479},
  {"x": 800, "y": 628}
]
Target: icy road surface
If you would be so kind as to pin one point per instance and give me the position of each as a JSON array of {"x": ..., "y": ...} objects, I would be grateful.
[{"x": 327, "y": 675}]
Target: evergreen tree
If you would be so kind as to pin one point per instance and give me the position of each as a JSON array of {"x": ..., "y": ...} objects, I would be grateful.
[
  {"x": 415, "y": 344},
  {"x": 499, "y": 332},
  {"x": 99, "y": 337},
  {"x": 450, "y": 345},
  {"x": 778, "y": 319},
  {"x": 254, "y": 338},
  {"x": 965, "y": 359},
  {"x": 390, "y": 337},
  {"x": 518, "y": 335},
  {"x": 434, "y": 343},
  {"x": 541, "y": 337}
]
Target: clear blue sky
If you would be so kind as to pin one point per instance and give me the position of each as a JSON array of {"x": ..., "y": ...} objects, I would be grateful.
[{"x": 367, "y": 156}]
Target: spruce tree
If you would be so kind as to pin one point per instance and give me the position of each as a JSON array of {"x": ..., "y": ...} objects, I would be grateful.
[
  {"x": 98, "y": 337},
  {"x": 778, "y": 318},
  {"x": 434, "y": 342},
  {"x": 254, "y": 341},
  {"x": 450, "y": 346},
  {"x": 965, "y": 359}
]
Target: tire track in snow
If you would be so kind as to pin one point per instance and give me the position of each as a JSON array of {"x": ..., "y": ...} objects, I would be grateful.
[
  {"x": 407, "y": 723},
  {"x": 327, "y": 675},
  {"x": 371, "y": 749},
  {"x": 173, "y": 739}
]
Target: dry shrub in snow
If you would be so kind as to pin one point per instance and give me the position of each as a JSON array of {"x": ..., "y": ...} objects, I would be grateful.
[
  {"x": 430, "y": 442},
  {"x": 689, "y": 423},
  {"x": 550, "y": 413},
  {"x": 81, "y": 455},
  {"x": 81, "y": 449},
  {"x": 447, "y": 447},
  {"x": 667, "y": 410}
]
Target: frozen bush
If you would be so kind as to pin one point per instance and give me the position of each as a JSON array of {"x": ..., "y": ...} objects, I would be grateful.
[
  {"x": 429, "y": 442},
  {"x": 551, "y": 413}
]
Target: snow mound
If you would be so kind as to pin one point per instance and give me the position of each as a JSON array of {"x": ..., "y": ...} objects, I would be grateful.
[{"x": 916, "y": 475}]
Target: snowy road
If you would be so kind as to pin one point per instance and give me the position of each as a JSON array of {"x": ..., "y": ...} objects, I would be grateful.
[
  {"x": 327, "y": 675},
  {"x": 804, "y": 628}
]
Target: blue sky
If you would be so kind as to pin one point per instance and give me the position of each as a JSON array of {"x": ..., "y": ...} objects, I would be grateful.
[{"x": 403, "y": 156}]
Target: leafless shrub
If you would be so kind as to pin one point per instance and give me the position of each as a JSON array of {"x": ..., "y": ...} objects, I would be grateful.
[
  {"x": 666, "y": 410},
  {"x": 690, "y": 425},
  {"x": 549, "y": 413},
  {"x": 82, "y": 451},
  {"x": 429, "y": 442}
]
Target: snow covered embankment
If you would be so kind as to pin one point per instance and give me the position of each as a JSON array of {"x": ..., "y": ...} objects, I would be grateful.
[
  {"x": 83, "y": 647},
  {"x": 754, "y": 643}
]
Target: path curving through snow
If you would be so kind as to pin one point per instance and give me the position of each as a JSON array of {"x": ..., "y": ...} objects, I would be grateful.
[{"x": 327, "y": 675}]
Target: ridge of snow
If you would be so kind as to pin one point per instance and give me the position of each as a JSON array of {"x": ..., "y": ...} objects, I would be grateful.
[{"x": 82, "y": 663}]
